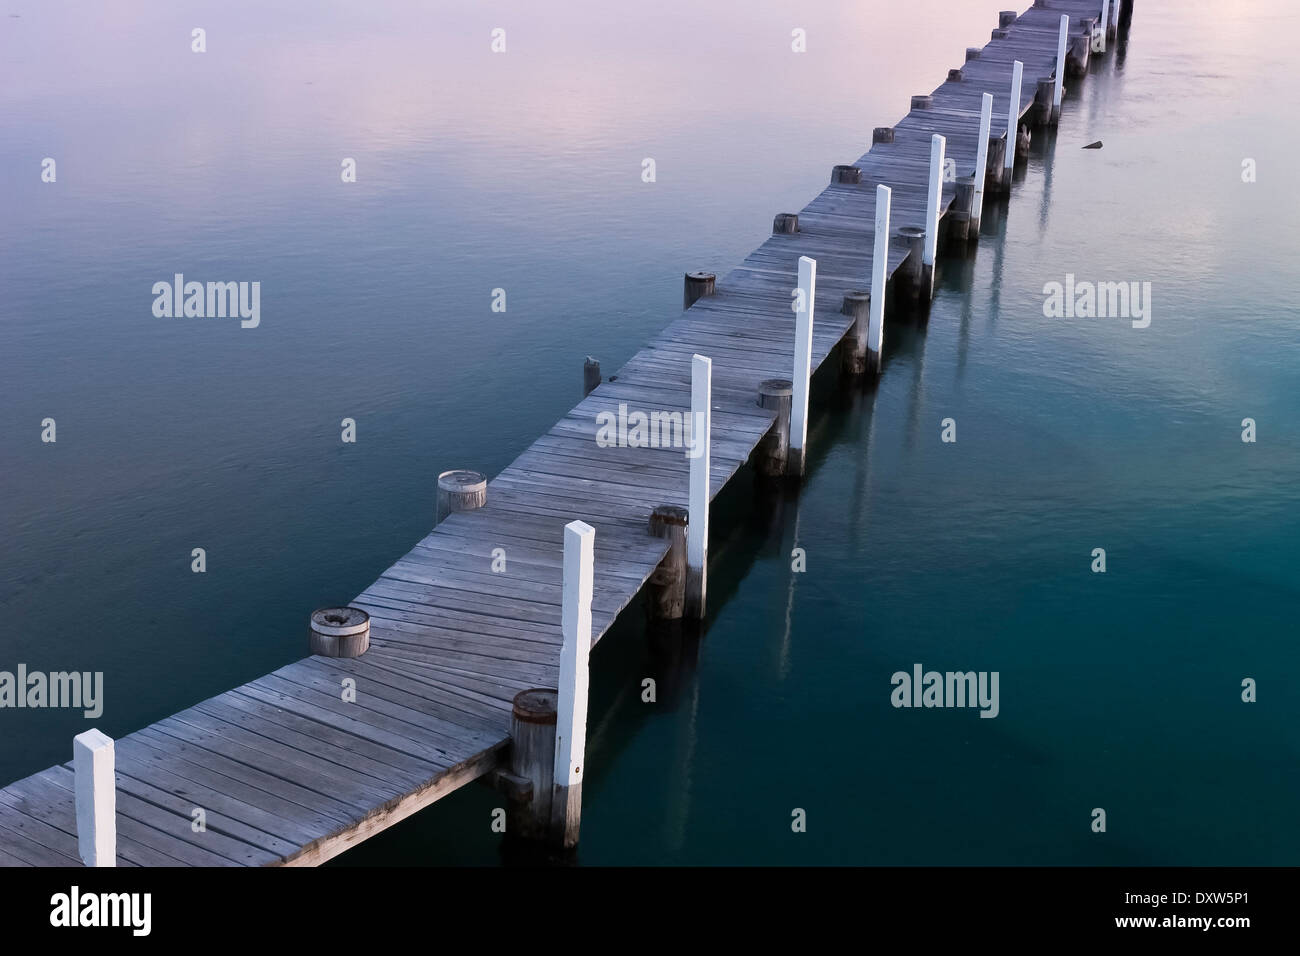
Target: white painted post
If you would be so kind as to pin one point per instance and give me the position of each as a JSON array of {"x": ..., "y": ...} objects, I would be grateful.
[
  {"x": 697, "y": 522},
  {"x": 981, "y": 163},
  {"x": 1104, "y": 23},
  {"x": 879, "y": 277},
  {"x": 571, "y": 703},
  {"x": 96, "y": 798},
  {"x": 1013, "y": 120},
  {"x": 1061, "y": 44},
  {"x": 803, "y": 326},
  {"x": 933, "y": 197}
]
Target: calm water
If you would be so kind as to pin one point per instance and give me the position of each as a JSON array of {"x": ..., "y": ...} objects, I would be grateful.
[{"x": 522, "y": 171}]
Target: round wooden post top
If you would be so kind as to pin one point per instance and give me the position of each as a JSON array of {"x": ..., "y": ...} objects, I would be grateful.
[
  {"x": 460, "y": 481},
  {"x": 856, "y": 297},
  {"x": 846, "y": 174},
  {"x": 537, "y": 705},
  {"x": 785, "y": 223},
  {"x": 701, "y": 276},
  {"x": 776, "y": 387},
  {"x": 669, "y": 515},
  {"x": 339, "y": 632},
  {"x": 911, "y": 232},
  {"x": 340, "y": 621}
]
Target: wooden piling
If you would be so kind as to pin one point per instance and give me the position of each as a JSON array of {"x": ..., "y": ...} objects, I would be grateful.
[
  {"x": 882, "y": 134},
  {"x": 973, "y": 53},
  {"x": 1043, "y": 93},
  {"x": 697, "y": 527},
  {"x": 858, "y": 305},
  {"x": 1006, "y": 18},
  {"x": 959, "y": 213},
  {"x": 590, "y": 376},
  {"x": 571, "y": 704},
  {"x": 801, "y": 379},
  {"x": 1076, "y": 61},
  {"x": 696, "y": 286},
  {"x": 666, "y": 594},
  {"x": 785, "y": 224},
  {"x": 846, "y": 175},
  {"x": 773, "y": 449},
  {"x": 1103, "y": 25},
  {"x": 96, "y": 798},
  {"x": 460, "y": 490},
  {"x": 532, "y": 760},
  {"x": 1023, "y": 139},
  {"x": 997, "y": 178},
  {"x": 339, "y": 632}
]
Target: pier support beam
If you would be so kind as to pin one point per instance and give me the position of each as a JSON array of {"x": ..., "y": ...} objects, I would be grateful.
[
  {"x": 460, "y": 491},
  {"x": 1103, "y": 26},
  {"x": 773, "y": 452},
  {"x": 696, "y": 286},
  {"x": 96, "y": 798},
  {"x": 933, "y": 197},
  {"x": 803, "y": 326},
  {"x": 981, "y": 165},
  {"x": 590, "y": 376},
  {"x": 1125, "y": 15},
  {"x": 858, "y": 305},
  {"x": 1062, "y": 44},
  {"x": 697, "y": 528},
  {"x": 1013, "y": 122},
  {"x": 666, "y": 594},
  {"x": 882, "y": 134},
  {"x": 571, "y": 705},
  {"x": 879, "y": 278}
]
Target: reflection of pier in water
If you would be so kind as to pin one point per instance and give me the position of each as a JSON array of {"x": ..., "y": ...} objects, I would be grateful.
[{"x": 292, "y": 772}]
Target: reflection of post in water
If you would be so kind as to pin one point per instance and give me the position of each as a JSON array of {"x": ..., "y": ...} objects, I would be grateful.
[
  {"x": 783, "y": 653},
  {"x": 681, "y": 778},
  {"x": 866, "y": 435},
  {"x": 917, "y": 393}
]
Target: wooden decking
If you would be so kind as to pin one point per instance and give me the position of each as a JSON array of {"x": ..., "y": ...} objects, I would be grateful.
[{"x": 286, "y": 772}]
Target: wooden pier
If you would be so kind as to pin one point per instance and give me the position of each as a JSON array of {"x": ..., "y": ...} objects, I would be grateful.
[{"x": 286, "y": 769}]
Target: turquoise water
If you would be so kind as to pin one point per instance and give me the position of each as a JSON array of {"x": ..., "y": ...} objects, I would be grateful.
[{"x": 523, "y": 171}]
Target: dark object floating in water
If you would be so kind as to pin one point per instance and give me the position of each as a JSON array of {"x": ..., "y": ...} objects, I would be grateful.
[{"x": 1096, "y": 145}]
